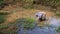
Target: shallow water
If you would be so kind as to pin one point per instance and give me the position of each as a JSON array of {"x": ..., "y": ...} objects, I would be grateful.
[{"x": 54, "y": 22}]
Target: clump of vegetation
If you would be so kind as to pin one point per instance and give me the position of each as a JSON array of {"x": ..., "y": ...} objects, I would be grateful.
[
  {"x": 58, "y": 29},
  {"x": 8, "y": 28},
  {"x": 29, "y": 23},
  {"x": 3, "y": 16},
  {"x": 52, "y": 3},
  {"x": 27, "y": 6},
  {"x": 26, "y": 23},
  {"x": 1, "y": 1},
  {"x": 4, "y": 13},
  {"x": 58, "y": 14},
  {"x": 1, "y": 5},
  {"x": 12, "y": 28},
  {"x": 30, "y": 3},
  {"x": 2, "y": 19}
]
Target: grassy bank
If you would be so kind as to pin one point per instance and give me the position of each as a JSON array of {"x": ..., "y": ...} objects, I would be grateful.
[{"x": 13, "y": 28}]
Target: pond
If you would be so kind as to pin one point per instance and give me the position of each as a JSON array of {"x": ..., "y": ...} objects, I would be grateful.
[{"x": 48, "y": 29}]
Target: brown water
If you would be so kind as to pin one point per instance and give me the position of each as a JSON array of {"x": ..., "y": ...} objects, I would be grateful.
[{"x": 48, "y": 29}]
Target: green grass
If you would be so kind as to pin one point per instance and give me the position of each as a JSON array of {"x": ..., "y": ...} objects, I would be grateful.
[
  {"x": 2, "y": 19},
  {"x": 29, "y": 23},
  {"x": 52, "y": 3},
  {"x": 4, "y": 13},
  {"x": 3, "y": 16},
  {"x": 8, "y": 28},
  {"x": 26, "y": 22},
  {"x": 5, "y": 29},
  {"x": 1, "y": 1},
  {"x": 58, "y": 13},
  {"x": 58, "y": 29}
]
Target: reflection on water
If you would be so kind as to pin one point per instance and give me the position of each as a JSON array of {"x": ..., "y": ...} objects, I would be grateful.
[
  {"x": 44, "y": 30},
  {"x": 54, "y": 21}
]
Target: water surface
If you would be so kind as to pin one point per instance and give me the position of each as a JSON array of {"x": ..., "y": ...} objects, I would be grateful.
[{"x": 54, "y": 22}]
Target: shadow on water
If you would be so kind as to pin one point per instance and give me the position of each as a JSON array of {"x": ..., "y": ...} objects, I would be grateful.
[{"x": 54, "y": 22}]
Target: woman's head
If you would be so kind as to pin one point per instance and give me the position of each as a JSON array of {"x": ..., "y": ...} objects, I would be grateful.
[{"x": 41, "y": 15}]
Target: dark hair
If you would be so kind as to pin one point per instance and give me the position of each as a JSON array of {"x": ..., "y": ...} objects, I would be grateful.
[{"x": 36, "y": 15}]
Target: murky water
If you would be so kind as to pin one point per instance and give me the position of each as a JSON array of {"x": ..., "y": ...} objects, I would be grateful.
[{"x": 54, "y": 22}]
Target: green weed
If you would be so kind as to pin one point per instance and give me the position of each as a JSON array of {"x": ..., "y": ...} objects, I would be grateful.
[
  {"x": 2, "y": 19},
  {"x": 26, "y": 23}
]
